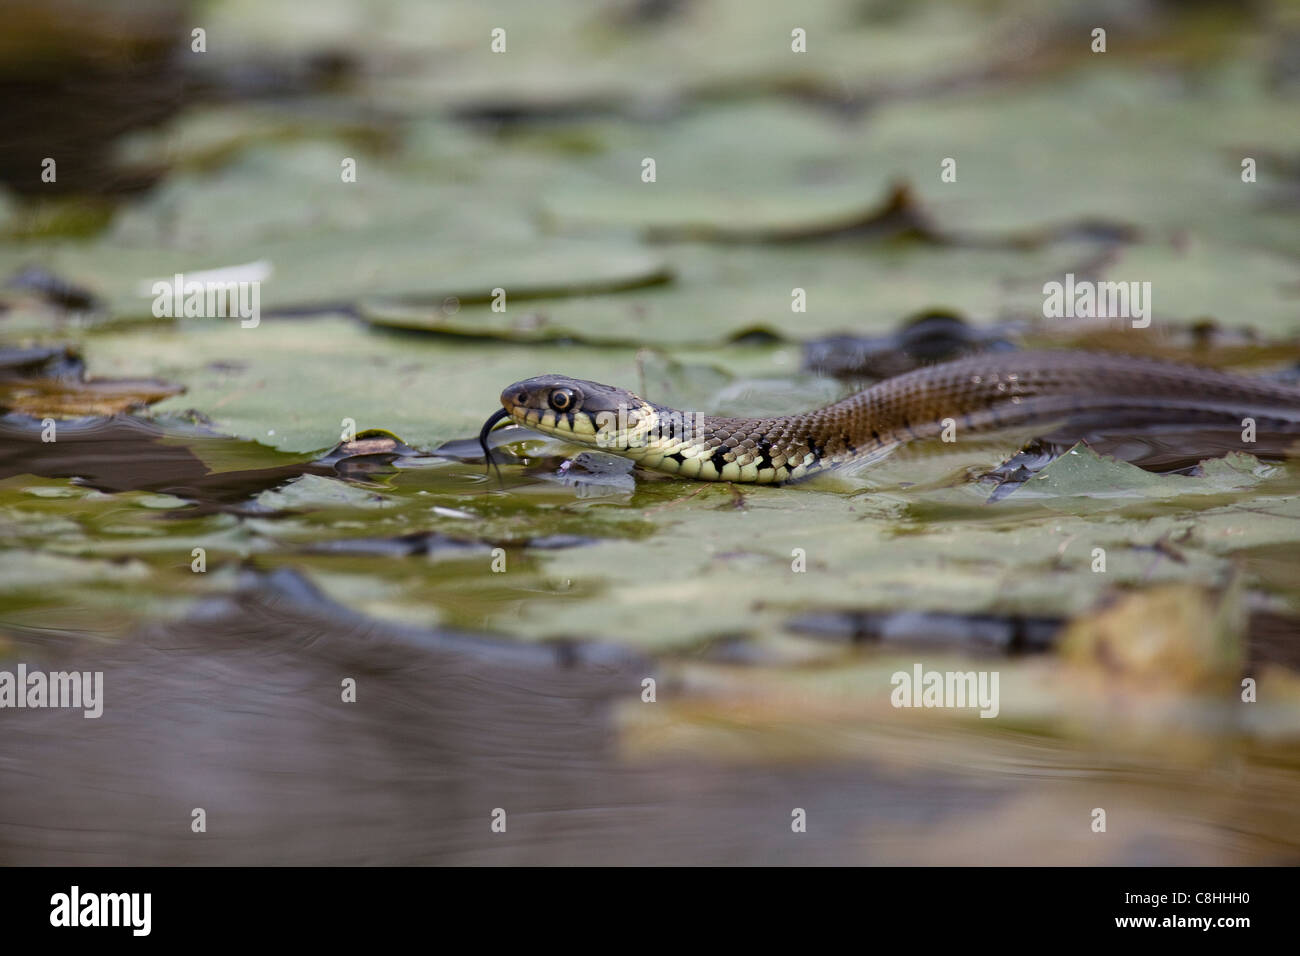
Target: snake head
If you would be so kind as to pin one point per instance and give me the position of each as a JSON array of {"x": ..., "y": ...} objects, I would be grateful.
[{"x": 587, "y": 413}]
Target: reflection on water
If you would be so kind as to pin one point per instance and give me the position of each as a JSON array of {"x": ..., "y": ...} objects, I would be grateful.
[{"x": 237, "y": 710}]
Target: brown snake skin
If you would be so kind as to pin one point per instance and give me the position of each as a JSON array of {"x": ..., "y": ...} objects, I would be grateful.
[{"x": 979, "y": 393}]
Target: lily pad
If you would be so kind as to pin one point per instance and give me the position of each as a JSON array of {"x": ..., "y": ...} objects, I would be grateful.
[
  {"x": 1080, "y": 472},
  {"x": 720, "y": 294},
  {"x": 339, "y": 269},
  {"x": 1149, "y": 142}
]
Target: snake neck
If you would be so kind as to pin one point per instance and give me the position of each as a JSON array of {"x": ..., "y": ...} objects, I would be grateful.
[{"x": 713, "y": 448}]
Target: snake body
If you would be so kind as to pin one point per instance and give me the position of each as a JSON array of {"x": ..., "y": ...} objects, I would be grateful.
[{"x": 978, "y": 393}]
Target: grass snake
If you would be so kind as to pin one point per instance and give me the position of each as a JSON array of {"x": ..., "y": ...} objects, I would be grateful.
[{"x": 979, "y": 393}]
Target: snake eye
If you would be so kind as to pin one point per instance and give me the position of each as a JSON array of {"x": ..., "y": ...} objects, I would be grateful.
[{"x": 561, "y": 399}]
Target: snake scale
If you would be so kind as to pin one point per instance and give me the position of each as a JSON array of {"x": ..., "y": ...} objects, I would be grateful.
[{"x": 978, "y": 393}]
